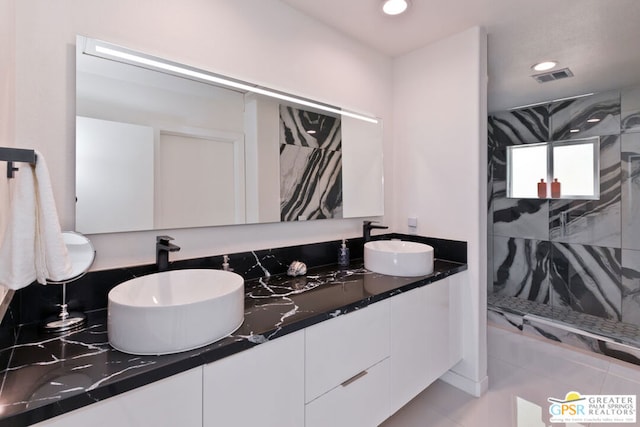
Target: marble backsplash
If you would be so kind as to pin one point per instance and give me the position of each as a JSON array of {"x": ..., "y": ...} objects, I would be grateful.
[
  {"x": 35, "y": 302},
  {"x": 583, "y": 255}
]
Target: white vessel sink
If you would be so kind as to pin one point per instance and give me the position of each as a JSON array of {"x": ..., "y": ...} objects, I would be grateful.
[
  {"x": 174, "y": 311},
  {"x": 398, "y": 258}
]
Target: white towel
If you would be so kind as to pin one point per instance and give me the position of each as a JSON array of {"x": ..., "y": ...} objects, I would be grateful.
[{"x": 33, "y": 248}]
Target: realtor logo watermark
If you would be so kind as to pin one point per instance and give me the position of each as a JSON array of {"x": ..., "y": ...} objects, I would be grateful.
[{"x": 596, "y": 408}]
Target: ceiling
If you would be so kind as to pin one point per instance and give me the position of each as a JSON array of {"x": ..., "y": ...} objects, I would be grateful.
[{"x": 597, "y": 39}]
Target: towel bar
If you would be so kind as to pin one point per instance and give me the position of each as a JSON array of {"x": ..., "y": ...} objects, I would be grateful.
[{"x": 11, "y": 155}]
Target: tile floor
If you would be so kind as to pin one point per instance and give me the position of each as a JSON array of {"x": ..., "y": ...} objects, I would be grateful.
[{"x": 523, "y": 372}]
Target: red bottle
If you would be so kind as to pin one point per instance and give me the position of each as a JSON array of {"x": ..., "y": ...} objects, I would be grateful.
[
  {"x": 555, "y": 189},
  {"x": 542, "y": 189}
]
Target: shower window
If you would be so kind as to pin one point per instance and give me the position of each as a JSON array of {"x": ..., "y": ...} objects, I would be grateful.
[{"x": 554, "y": 170}]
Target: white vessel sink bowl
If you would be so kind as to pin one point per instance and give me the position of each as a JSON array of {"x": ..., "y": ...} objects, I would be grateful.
[
  {"x": 398, "y": 258},
  {"x": 174, "y": 311}
]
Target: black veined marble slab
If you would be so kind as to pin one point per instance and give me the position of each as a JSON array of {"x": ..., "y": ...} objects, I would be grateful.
[
  {"x": 592, "y": 222},
  {"x": 631, "y": 286},
  {"x": 630, "y": 191},
  {"x": 587, "y": 279},
  {"x": 575, "y": 114},
  {"x": 630, "y": 110}
]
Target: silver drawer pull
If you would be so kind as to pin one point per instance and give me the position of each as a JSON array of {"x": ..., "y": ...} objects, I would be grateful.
[{"x": 354, "y": 378}]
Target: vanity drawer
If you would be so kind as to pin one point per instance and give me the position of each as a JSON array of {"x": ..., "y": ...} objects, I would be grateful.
[
  {"x": 362, "y": 401},
  {"x": 340, "y": 348}
]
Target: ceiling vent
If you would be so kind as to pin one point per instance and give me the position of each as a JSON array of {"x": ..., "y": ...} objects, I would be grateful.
[{"x": 553, "y": 75}]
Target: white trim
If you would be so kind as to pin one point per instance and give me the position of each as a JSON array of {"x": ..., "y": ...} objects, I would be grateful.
[{"x": 469, "y": 386}]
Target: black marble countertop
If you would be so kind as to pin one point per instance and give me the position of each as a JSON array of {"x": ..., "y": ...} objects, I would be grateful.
[{"x": 47, "y": 375}]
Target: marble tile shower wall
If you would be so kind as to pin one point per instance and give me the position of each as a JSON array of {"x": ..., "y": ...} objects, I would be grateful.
[{"x": 580, "y": 254}]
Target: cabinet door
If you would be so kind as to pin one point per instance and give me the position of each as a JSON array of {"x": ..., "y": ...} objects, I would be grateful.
[
  {"x": 173, "y": 401},
  {"x": 420, "y": 340},
  {"x": 437, "y": 330},
  {"x": 263, "y": 386}
]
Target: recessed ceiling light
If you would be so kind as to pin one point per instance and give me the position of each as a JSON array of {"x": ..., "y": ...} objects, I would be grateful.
[
  {"x": 544, "y": 66},
  {"x": 394, "y": 7},
  {"x": 593, "y": 120},
  {"x": 574, "y": 130}
]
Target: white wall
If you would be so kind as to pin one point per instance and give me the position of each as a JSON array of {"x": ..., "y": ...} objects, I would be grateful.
[
  {"x": 7, "y": 89},
  {"x": 7, "y": 78},
  {"x": 439, "y": 118},
  {"x": 263, "y": 41}
]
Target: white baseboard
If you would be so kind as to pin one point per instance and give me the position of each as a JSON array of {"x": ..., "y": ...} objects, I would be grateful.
[{"x": 474, "y": 388}]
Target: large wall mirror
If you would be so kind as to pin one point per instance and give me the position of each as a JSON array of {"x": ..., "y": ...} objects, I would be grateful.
[{"x": 163, "y": 145}]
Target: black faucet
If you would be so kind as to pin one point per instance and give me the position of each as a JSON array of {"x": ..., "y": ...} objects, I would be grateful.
[
  {"x": 163, "y": 247},
  {"x": 367, "y": 226}
]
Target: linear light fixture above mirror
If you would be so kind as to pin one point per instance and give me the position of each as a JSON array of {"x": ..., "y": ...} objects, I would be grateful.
[{"x": 118, "y": 53}]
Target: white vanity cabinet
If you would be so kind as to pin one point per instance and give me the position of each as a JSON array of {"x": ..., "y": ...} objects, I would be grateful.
[
  {"x": 170, "y": 402},
  {"x": 347, "y": 369},
  {"x": 262, "y": 386},
  {"x": 425, "y": 337},
  {"x": 353, "y": 370}
]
